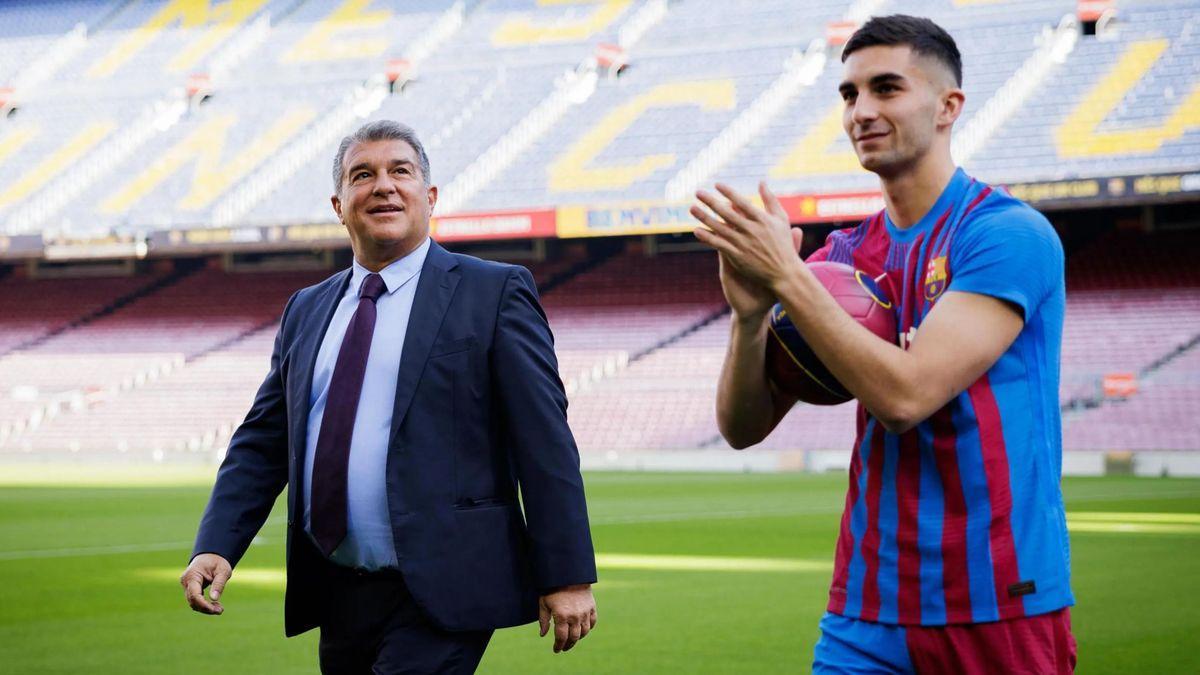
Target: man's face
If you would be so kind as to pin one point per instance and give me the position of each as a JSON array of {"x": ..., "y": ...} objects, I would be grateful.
[
  {"x": 896, "y": 104},
  {"x": 383, "y": 199}
]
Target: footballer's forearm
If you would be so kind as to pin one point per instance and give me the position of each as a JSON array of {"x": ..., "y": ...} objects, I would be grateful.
[
  {"x": 747, "y": 407},
  {"x": 879, "y": 374}
]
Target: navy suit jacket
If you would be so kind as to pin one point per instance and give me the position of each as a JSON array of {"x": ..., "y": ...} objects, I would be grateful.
[{"x": 480, "y": 416}]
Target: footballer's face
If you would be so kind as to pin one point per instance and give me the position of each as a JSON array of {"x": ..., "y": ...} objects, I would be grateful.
[
  {"x": 897, "y": 104},
  {"x": 384, "y": 201}
]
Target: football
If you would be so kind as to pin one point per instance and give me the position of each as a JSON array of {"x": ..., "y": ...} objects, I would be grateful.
[{"x": 791, "y": 363}]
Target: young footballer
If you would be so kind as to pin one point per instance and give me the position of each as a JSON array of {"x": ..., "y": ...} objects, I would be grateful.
[{"x": 953, "y": 552}]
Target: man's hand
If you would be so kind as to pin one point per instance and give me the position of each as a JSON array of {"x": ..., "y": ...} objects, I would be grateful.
[
  {"x": 761, "y": 245},
  {"x": 749, "y": 301},
  {"x": 206, "y": 569},
  {"x": 574, "y": 612}
]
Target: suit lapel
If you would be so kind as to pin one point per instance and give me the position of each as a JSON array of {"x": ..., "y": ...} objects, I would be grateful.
[
  {"x": 324, "y": 306},
  {"x": 435, "y": 289}
]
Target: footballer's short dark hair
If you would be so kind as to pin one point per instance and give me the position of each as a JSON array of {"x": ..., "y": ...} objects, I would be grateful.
[{"x": 921, "y": 35}]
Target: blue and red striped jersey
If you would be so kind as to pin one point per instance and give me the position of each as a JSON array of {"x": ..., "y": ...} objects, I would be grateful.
[{"x": 961, "y": 519}]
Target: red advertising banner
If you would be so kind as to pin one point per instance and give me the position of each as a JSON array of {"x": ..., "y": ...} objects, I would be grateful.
[
  {"x": 831, "y": 208},
  {"x": 495, "y": 225}
]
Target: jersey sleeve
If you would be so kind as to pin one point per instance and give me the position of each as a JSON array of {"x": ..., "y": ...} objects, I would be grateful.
[{"x": 1011, "y": 254}]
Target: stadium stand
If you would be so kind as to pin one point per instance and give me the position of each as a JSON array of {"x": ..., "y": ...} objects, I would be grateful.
[
  {"x": 624, "y": 308},
  {"x": 639, "y": 340},
  {"x": 459, "y": 113},
  {"x": 157, "y": 37},
  {"x": 1159, "y": 416},
  {"x": 1132, "y": 300},
  {"x": 54, "y": 135},
  {"x": 1123, "y": 330},
  {"x": 193, "y": 407},
  {"x": 31, "y": 26},
  {"x": 194, "y": 103},
  {"x": 598, "y": 151},
  {"x": 36, "y": 308},
  {"x": 474, "y": 89},
  {"x": 200, "y": 311},
  {"x": 83, "y": 386},
  {"x": 663, "y": 400},
  {"x": 684, "y": 86},
  {"x": 1118, "y": 106},
  {"x": 34, "y": 311},
  {"x": 806, "y": 148},
  {"x": 1133, "y": 313},
  {"x": 223, "y": 143},
  {"x": 529, "y": 32}
]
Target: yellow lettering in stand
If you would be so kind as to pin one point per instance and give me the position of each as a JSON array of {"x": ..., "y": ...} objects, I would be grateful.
[
  {"x": 572, "y": 170},
  {"x": 227, "y": 18},
  {"x": 527, "y": 31},
  {"x": 16, "y": 139},
  {"x": 812, "y": 154},
  {"x": 205, "y": 145},
  {"x": 51, "y": 165},
  {"x": 187, "y": 14},
  {"x": 327, "y": 41},
  {"x": 1078, "y": 135}
]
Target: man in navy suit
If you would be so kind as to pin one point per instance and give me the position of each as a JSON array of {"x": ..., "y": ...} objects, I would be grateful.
[{"x": 409, "y": 398}]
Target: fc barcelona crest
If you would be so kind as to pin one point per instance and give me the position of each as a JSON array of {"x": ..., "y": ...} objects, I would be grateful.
[{"x": 935, "y": 278}]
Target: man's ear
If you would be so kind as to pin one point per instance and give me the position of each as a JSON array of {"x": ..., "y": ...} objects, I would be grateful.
[
  {"x": 337, "y": 206},
  {"x": 951, "y": 106},
  {"x": 432, "y": 194}
]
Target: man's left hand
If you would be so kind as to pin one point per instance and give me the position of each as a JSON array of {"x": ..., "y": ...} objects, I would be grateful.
[
  {"x": 759, "y": 242},
  {"x": 574, "y": 612}
]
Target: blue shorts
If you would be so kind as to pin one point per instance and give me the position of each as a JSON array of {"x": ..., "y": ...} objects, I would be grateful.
[
  {"x": 853, "y": 646},
  {"x": 1033, "y": 644}
]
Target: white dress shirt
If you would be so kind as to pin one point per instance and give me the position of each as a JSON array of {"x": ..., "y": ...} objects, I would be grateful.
[{"x": 368, "y": 543}]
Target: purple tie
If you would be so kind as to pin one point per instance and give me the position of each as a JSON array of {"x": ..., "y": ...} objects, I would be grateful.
[{"x": 328, "y": 513}]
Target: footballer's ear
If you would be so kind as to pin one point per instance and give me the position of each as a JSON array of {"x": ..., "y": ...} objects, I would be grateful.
[
  {"x": 337, "y": 206},
  {"x": 950, "y": 106}
]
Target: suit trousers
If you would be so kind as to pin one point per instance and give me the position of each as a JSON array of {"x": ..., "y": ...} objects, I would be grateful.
[{"x": 372, "y": 624}]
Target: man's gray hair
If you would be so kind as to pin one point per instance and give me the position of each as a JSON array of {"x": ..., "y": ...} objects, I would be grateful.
[{"x": 380, "y": 130}]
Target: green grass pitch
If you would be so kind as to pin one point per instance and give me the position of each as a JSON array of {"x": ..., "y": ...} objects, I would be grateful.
[{"x": 709, "y": 573}]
